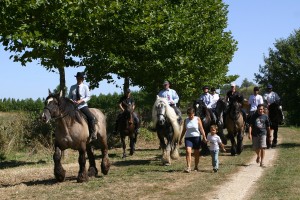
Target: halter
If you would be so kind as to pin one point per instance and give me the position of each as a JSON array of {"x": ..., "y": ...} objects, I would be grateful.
[{"x": 61, "y": 114}]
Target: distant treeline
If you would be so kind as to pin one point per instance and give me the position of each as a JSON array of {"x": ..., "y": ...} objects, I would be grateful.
[{"x": 107, "y": 103}]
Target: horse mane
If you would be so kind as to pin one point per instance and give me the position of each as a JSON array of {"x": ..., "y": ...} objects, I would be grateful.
[
  {"x": 170, "y": 114},
  {"x": 74, "y": 115}
]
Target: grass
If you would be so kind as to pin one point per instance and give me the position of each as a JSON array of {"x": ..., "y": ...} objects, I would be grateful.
[{"x": 142, "y": 176}]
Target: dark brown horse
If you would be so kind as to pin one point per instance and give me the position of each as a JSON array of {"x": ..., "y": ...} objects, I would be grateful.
[
  {"x": 276, "y": 118},
  {"x": 126, "y": 127},
  {"x": 235, "y": 124},
  {"x": 72, "y": 132}
]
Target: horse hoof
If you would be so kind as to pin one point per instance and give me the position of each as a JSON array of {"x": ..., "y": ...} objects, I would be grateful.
[
  {"x": 92, "y": 171},
  {"x": 105, "y": 166}
]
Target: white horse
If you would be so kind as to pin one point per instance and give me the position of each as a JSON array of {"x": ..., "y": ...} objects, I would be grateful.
[{"x": 165, "y": 121}]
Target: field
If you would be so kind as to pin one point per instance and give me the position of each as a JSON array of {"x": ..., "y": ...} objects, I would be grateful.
[{"x": 141, "y": 176}]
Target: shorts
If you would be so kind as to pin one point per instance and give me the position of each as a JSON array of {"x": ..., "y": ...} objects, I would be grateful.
[
  {"x": 193, "y": 142},
  {"x": 259, "y": 142}
]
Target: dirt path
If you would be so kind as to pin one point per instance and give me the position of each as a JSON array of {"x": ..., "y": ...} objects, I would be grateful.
[{"x": 242, "y": 184}]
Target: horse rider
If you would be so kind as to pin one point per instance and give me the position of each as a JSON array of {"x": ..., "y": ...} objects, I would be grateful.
[
  {"x": 270, "y": 97},
  {"x": 232, "y": 95},
  {"x": 254, "y": 100},
  {"x": 124, "y": 101},
  {"x": 172, "y": 97},
  {"x": 207, "y": 98},
  {"x": 80, "y": 94}
]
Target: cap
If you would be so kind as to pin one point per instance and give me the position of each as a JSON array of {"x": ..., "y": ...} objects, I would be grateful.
[
  {"x": 269, "y": 86},
  {"x": 256, "y": 89},
  {"x": 166, "y": 83},
  {"x": 232, "y": 84},
  {"x": 212, "y": 89},
  {"x": 205, "y": 87}
]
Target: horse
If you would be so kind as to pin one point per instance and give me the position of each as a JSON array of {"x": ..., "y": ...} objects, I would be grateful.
[
  {"x": 276, "y": 117},
  {"x": 206, "y": 118},
  {"x": 126, "y": 127},
  {"x": 235, "y": 125},
  {"x": 165, "y": 121},
  {"x": 72, "y": 131},
  {"x": 203, "y": 113},
  {"x": 219, "y": 111}
]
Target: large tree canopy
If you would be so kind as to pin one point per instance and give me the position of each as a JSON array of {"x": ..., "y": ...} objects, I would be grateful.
[
  {"x": 142, "y": 41},
  {"x": 282, "y": 70}
]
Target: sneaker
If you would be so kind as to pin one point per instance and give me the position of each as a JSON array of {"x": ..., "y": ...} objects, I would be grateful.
[
  {"x": 196, "y": 169},
  {"x": 187, "y": 170}
]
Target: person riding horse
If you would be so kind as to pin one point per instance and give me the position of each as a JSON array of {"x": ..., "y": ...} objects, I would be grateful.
[
  {"x": 271, "y": 97},
  {"x": 208, "y": 101},
  {"x": 254, "y": 100},
  {"x": 232, "y": 95},
  {"x": 125, "y": 101},
  {"x": 172, "y": 97},
  {"x": 80, "y": 94}
]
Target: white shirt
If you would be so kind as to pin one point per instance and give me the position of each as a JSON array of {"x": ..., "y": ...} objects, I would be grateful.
[
  {"x": 215, "y": 98},
  {"x": 84, "y": 94},
  {"x": 254, "y": 101},
  {"x": 192, "y": 128},
  {"x": 271, "y": 97},
  {"x": 214, "y": 141}
]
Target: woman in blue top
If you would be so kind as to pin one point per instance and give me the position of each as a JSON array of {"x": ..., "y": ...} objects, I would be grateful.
[{"x": 192, "y": 129}]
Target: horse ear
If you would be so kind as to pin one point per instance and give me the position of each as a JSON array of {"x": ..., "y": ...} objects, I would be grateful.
[
  {"x": 60, "y": 93},
  {"x": 49, "y": 91},
  {"x": 157, "y": 97}
]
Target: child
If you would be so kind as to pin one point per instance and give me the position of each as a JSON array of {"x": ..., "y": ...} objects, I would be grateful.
[{"x": 214, "y": 141}]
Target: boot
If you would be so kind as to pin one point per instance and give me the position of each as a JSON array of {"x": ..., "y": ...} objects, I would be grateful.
[{"x": 92, "y": 130}]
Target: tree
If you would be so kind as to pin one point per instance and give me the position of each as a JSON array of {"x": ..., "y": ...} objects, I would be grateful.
[
  {"x": 282, "y": 70},
  {"x": 43, "y": 30},
  {"x": 150, "y": 41},
  {"x": 142, "y": 41}
]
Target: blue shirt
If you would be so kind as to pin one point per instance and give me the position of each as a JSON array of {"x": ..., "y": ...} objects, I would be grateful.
[
  {"x": 207, "y": 99},
  {"x": 170, "y": 94},
  {"x": 84, "y": 93}
]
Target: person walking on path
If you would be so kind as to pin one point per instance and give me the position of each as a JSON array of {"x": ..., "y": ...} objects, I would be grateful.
[
  {"x": 192, "y": 129},
  {"x": 258, "y": 131},
  {"x": 214, "y": 145}
]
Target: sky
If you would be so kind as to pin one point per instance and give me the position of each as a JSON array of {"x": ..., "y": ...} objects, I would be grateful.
[{"x": 255, "y": 25}]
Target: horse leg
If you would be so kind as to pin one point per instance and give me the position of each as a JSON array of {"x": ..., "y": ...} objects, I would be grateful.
[
  {"x": 233, "y": 144},
  {"x": 123, "y": 145},
  {"x": 92, "y": 171},
  {"x": 275, "y": 136},
  {"x": 221, "y": 134},
  {"x": 163, "y": 146},
  {"x": 240, "y": 142},
  {"x": 132, "y": 145},
  {"x": 166, "y": 155},
  {"x": 82, "y": 175},
  {"x": 174, "y": 152},
  {"x": 105, "y": 164},
  {"x": 59, "y": 171}
]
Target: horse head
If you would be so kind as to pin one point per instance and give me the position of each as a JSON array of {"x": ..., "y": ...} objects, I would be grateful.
[
  {"x": 161, "y": 113},
  {"x": 200, "y": 108},
  {"x": 55, "y": 105},
  {"x": 234, "y": 110},
  {"x": 127, "y": 113}
]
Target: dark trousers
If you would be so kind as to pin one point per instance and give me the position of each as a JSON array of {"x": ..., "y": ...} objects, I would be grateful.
[{"x": 90, "y": 118}]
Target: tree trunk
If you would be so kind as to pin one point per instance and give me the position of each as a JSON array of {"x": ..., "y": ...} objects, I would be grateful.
[{"x": 126, "y": 84}]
